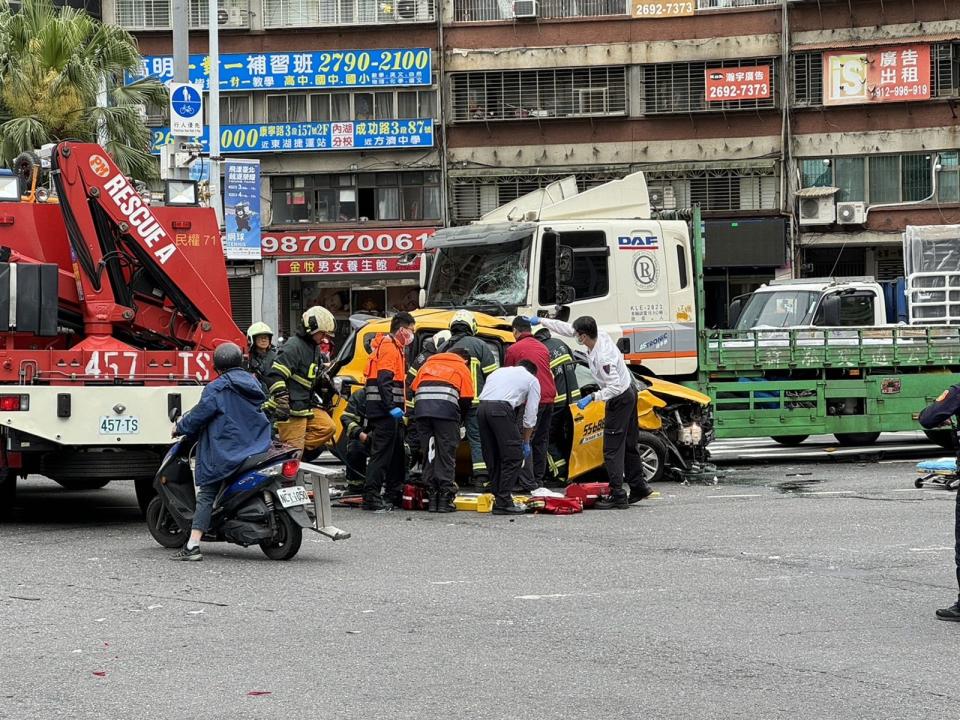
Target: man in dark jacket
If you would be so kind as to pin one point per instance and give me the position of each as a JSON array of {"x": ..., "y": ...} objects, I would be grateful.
[
  {"x": 261, "y": 352},
  {"x": 293, "y": 381},
  {"x": 354, "y": 445},
  {"x": 933, "y": 416},
  {"x": 229, "y": 427},
  {"x": 564, "y": 369}
]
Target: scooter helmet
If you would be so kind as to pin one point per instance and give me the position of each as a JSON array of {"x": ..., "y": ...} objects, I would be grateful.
[
  {"x": 464, "y": 319},
  {"x": 258, "y": 328},
  {"x": 318, "y": 319},
  {"x": 227, "y": 356}
]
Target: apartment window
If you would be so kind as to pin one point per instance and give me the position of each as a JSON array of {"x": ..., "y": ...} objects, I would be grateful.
[
  {"x": 946, "y": 69},
  {"x": 681, "y": 87},
  {"x": 591, "y": 266},
  {"x": 298, "y": 13},
  {"x": 143, "y": 13},
  {"x": 715, "y": 189},
  {"x": 539, "y": 94},
  {"x": 382, "y": 196},
  {"x": 345, "y": 106},
  {"x": 286, "y": 108},
  {"x": 235, "y": 109},
  {"x": 487, "y": 10},
  {"x": 723, "y": 4},
  {"x": 948, "y": 179},
  {"x": 808, "y": 79},
  {"x": 878, "y": 179},
  {"x": 474, "y": 196}
]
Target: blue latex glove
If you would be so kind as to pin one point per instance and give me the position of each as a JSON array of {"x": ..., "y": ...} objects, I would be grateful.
[
  {"x": 534, "y": 320},
  {"x": 527, "y": 450},
  {"x": 583, "y": 402},
  {"x": 396, "y": 413}
]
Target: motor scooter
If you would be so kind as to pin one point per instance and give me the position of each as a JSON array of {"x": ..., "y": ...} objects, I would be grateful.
[{"x": 261, "y": 503}]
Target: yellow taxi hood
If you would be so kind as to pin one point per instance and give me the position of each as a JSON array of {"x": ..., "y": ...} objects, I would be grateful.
[{"x": 668, "y": 388}]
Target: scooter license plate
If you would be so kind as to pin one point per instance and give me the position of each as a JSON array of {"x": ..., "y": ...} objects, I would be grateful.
[{"x": 289, "y": 497}]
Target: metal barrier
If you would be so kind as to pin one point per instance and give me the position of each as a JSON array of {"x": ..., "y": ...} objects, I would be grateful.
[{"x": 320, "y": 481}]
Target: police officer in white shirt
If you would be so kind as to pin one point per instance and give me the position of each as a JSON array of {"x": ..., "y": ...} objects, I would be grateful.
[
  {"x": 620, "y": 427},
  {"x": 505, "y": 392}
]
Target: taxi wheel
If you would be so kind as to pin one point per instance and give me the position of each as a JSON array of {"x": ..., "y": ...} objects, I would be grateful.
[{"x": 653, "y": 456}]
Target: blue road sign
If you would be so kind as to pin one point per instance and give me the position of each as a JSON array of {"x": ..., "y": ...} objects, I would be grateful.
[{"x": 186, "y": 101}]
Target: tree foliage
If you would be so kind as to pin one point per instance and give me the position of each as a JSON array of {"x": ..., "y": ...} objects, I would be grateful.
[{"x": 54, "y": 64}]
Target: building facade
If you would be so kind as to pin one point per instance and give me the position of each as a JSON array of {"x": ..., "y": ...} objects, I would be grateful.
[{"x": 810, "y": 132}]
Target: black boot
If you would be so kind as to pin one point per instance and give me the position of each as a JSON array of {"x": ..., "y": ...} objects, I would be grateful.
[
  {"x": 445, "y": 504},
  {"x": 433, "y": 500}
]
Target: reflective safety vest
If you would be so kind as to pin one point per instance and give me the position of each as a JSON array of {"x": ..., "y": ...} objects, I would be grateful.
[
  {"x": 442, "y": 388},
  {"x": 386, "y": 370},
  {"x": 482, "y": 360},
  {"x": 564, "y": 369}
]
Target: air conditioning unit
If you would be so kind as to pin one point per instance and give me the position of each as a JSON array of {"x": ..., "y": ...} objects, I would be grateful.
[
  {"x": 662, "y": 198},
  {"x": 525, "y": 9},
  {"x": 818, "y": 210},
  {"x": 851, "y": 213}
]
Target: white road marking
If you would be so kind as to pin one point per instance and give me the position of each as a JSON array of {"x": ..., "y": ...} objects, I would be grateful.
[
  {"x": 542, "y": 597},
  {"x": 831, "y": 492},
  {"x": 736, "y": 496}
]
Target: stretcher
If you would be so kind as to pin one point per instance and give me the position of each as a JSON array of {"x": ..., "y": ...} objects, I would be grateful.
[{"x": 940, "y": 472}]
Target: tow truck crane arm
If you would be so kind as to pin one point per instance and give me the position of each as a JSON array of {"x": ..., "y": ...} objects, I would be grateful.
[{"x": 131, "y": 277}]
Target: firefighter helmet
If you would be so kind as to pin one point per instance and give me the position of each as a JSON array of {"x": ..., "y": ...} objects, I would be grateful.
[
  {"x": 465, "y": 319},
  {"x": 318, "y": 319},
  {"x": 227, "y": 356},
  {"x": 440, "y": 339},
  {"x": 258, "y": 328}
]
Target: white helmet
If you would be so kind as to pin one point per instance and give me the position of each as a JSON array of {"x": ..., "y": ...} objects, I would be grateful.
[
  {"x": 440, "y": 339},
  {"x": 318, "y": 319},
  {"x": 258, "y": 328},
  {"x": 465, "y": 318}
]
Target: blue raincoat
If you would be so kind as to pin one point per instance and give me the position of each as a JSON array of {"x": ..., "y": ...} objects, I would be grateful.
[{"x": 228, "y": 425}]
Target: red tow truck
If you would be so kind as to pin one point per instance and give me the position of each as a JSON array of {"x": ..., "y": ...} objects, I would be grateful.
[{"x": 110, "y": 309}]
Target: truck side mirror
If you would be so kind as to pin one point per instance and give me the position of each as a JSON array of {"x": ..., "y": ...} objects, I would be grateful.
[
  {"x": 733, "y": 312},
  {"x": 829, "y": 313},
  {"x": 566, "y": 295},
  {"x": 564, "y": 264}
]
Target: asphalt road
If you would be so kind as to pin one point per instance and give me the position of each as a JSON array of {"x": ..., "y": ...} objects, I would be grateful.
[
  {"x": 824, "y": 448},
  {"x": 801, "y": 590}
]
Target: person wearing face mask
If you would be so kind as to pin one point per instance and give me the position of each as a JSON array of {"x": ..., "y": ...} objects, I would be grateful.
[
  {"x": 620, "y": 425},
  {"x": 385, "y": 386}
]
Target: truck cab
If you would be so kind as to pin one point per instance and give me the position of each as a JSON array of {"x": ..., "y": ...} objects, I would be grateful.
[
  {"x": 812, "y": 302},
  {"x": 569, "y": 253}
]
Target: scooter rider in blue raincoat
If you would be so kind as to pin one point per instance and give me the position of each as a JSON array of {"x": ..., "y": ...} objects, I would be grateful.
[{"x": 229, "y": 427}]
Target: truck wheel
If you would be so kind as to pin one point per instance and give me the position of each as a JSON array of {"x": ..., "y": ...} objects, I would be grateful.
[
  {"x": 943, "y": 438},
  {"x": 82, "y": 483},
  {"x": 145, "y": 493},
  {"x": 163, "y": 527},
  {"x": 286, "y": 544},
  {"x": 8, "y": 493},
  {"x": 865, "y": 438},
  {"x": 789, "y": 440},
  {"x": 653, "y": 456}
]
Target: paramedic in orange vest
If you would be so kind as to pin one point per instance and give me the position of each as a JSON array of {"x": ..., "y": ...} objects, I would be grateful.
[
  {"x": 386, "y": 395},
  {"x": 443, "y": 391}
]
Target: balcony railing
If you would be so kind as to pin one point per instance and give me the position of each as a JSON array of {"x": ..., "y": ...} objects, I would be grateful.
[
  {"x": 491, "y": 10},
  {"x": 306, "y": 13},
  {"x": 155, "y": 14}
]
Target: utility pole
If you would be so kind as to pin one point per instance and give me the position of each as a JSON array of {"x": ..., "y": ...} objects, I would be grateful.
[
  {"x": 213, "y": 17},
  {"x": 180, "y": 19}
]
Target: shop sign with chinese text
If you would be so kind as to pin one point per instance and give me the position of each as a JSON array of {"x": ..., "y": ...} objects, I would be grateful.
[
  {"x": 889, "y": 74},
  {"x": 345, "y": 242},
  {"x": 347, "y": 266},
  {"x": 327, "y": 70},
  {"x": 309, "y": 136},
  {"x": 742, "y": 83},
  {"x": 645, "y": 10}
]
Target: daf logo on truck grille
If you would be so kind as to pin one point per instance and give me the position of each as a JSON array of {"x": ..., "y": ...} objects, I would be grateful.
[{"x": 646, "y": 271}]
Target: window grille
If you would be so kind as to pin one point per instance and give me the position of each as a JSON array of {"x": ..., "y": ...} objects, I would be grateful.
[
  {"x": 881, "y": 179},
  {"x": 808, "y": 79},
  {"x": 155, "y": 14},
  {"x": 946, "y": 69},
  {"x": 723, "y": 4},
  {"x": 715, "y": 189},
  {"x": 681, "y": 87},
  {"x": 492, "y": 10},
  {"x": 539, "y": 94},
  {"x": 299, "y": 13}
]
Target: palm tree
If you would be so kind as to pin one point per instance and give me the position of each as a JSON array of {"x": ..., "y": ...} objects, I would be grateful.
[{"x": 54, "y": 62}]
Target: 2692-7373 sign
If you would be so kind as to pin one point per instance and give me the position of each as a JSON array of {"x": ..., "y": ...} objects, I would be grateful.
[
  {"x": 742, "y": 83},
  {"x": 642, "y": 9}
]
